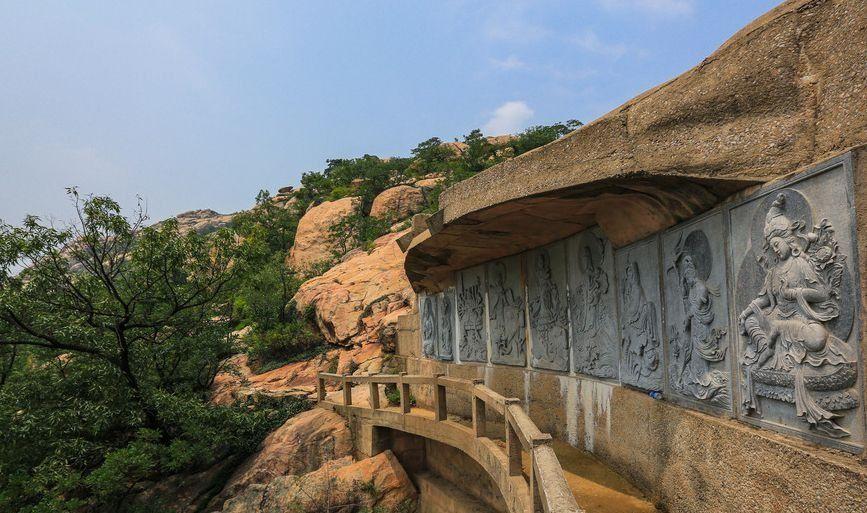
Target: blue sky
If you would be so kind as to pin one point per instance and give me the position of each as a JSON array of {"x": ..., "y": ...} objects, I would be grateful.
[{"x": 201, "y": 104}]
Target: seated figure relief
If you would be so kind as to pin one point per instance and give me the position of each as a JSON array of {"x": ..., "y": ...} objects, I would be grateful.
[{"x": 790, "y": 353}]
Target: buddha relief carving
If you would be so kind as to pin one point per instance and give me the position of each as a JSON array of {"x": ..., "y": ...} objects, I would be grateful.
[
  {"x": 446, "y": 331},
  {"x": 471, "y": 313},
  {"x": 640, "y": 344},
  {"x": 547, "y": 308},
  {"x": 697, "y": 315},
  {"x": 794, "y": 329},
  {"x": 506, "y": 312},
  {"x": 428, "y": 325},
  {"x": 594, "y": 328}
]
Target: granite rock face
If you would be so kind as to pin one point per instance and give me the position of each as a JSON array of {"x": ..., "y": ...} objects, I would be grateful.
[
  {"x": 359, "y": 300},
  {"x": 312, "y": 244},
  {"x": 301, "y": 445},
  {"x": 239, "y": 383},
  {"x": 398, "y": 202},
  {"x": 338, "y": 482}
]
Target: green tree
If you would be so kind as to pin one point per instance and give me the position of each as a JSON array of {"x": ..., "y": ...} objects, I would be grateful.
[
  {"x": 111, "y": 334},
  {"x": 541, "y": 135}
]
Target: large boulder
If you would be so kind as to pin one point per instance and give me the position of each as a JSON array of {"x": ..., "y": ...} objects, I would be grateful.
[
  {"x": 238, "y": 383},
  {"x": 301, "y": 445},
  {"x": 398, "y": 203},
  {"x": 375, "y": 484},
  {"x": 312, "y": 241},
  {"x": 359, "y": 300}
]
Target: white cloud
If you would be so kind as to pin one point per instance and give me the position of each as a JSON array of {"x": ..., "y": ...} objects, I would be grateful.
[
  {"x": 510, "y": 63},
  {"x": 590, "y": 42},
  {"x": 510, "y": 23},
  {"x": 508, "y": 118},
  {"x": 664, "y": 8}
]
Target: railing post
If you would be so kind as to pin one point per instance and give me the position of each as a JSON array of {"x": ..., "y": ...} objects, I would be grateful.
[
  {"x": 534, "y": 484},
  {"x": 374, "y": 394},
  {"x": 405, "y": 405},
  {"x": 513, "y": 447},
  {"x": 320, "y": 389},
  {"x": 347, "y": 391},
  {"x": 440, "y": 409},
  {"x": 479, "y": 420}
]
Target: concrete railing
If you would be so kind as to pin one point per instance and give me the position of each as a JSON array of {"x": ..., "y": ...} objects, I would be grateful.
[{"x": 547, "y": 485}]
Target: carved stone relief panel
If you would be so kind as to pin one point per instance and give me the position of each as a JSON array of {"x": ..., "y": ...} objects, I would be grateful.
[
  {"x": 427, "y": 307},
  {"x": 696, "y": 313},
  {"x": 472, "y": 331},
  {"x": 795, "y": 302},
  {"x": 641, "y": 359},
  {"x": 446, "y": 325},
  {"x": 506, "y": 312},
  {"x": 547, "y": 307},
  {"x": 595, "y": 344}
]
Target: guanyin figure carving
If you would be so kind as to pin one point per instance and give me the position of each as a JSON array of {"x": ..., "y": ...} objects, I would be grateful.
[
  {"x": 428, "y": 327},
  {"x": 697, "y": 343},
  {"x": 639, "y": 337},
  {"x": 788, "y": 342}
]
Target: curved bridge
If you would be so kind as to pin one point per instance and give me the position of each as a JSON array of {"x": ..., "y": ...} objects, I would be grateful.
[{"x": 545, "y": 488}]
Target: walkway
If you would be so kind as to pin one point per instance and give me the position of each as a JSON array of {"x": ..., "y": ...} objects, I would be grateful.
[{"x": 523, "y": 462}]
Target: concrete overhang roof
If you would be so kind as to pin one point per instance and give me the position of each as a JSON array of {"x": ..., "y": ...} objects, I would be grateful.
[{"x": 784, "y": 92}]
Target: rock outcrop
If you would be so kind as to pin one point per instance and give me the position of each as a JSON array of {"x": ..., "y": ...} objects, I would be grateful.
[
  {"x": 312, "y": 242},
  {"x": 301, "y": 445},
  {"x": 377, "y": 483},
  {"x": 398, "y": 203},
  {"x": 202, "y": 221},
  {"x": 238, "y": 383},
  {"x": 359, "y": 300}
]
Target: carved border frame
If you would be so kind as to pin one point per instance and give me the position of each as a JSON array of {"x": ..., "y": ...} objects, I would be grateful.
[{"x": 846, "y": 161}]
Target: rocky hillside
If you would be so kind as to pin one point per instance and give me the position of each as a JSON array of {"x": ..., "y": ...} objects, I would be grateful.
[{"x": 342, "y": 227}]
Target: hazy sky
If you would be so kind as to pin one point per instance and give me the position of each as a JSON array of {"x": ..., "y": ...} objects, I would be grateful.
[{"x": 201, "y": 104}]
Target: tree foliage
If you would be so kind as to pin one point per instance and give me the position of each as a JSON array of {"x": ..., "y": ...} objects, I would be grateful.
[{"x": 111, "y": 334}]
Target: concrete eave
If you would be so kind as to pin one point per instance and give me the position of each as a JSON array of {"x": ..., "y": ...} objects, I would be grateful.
[{"x": 786, "y": 91}]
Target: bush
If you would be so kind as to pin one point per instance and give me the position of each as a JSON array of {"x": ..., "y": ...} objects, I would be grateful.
[
  {"x": 356, "y": 231},
  {"x": 283, "y": 344}
]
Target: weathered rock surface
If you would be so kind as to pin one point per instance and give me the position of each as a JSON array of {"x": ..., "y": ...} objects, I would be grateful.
[
  {"x": 338, "y": 483},
  {"x": 398, "y": 202},
  {"x": 428, "y": 183},
  {"x": 301, "y": 445},
  {"x": 358, "y": 301},
  {"x": 294, "y": 379},
  {"x": 312, "y": 244},
  {"x": 202, "y": 221}
]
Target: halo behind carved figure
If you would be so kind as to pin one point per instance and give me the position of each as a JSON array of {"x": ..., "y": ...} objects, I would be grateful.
[
  {"x": 750, "y": 278},
  {"x": 697, "y": 247}
]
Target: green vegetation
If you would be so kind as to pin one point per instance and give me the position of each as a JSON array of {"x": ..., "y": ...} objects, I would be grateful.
[
  {"x": 112, "y": 332},
  {"x": 111, "y": 336}
]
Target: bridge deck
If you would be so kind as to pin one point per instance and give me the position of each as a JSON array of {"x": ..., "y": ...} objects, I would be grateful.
[{"x": 596, "y": 486}]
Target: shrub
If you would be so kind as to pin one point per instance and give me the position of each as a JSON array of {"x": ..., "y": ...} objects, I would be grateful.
[{"x": 283, "y": 344}]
